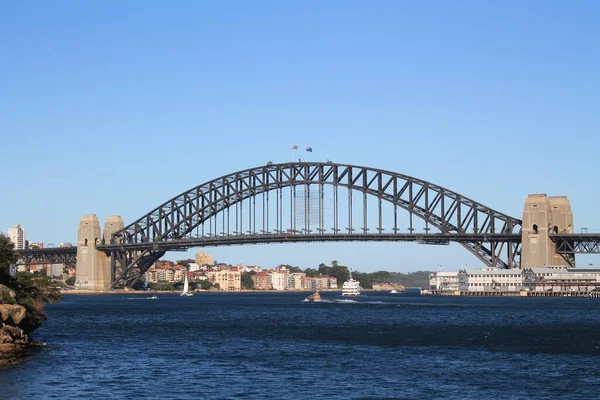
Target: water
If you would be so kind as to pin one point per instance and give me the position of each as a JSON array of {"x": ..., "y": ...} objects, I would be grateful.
[{"x": 276, "y": 346}]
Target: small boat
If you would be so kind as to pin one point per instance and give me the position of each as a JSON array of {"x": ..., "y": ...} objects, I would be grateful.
[
  {"x": 314, "y": 297},
  {"x": 393, "y": 291},
  {"x": 154, "y": 297},
  {"x": 186, "y": 286}
]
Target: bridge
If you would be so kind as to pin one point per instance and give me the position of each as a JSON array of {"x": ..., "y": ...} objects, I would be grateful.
[{"x": 320, "y": 202}]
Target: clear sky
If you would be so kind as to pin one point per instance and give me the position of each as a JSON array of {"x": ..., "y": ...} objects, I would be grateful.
[{"x": 114, "y": 107}]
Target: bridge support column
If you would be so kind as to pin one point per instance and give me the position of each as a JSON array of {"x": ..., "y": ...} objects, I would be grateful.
[
  {"x": 90, "y": 262},
  {"x": 112, "y": 224},
  {"x": 543, "y": 216},
  {"x": 93, "y": 266}
]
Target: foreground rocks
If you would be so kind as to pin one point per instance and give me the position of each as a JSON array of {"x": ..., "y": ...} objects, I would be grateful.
[{"x": 14, "y": 343}]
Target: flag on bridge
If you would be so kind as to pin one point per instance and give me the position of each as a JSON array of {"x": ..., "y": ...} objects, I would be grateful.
[
  {"x": 309, "y": 149},
  {"x": 295, "y": 147}
]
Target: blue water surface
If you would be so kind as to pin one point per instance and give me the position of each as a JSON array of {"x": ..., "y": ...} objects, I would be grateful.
[{"x": 277, "y": 346}]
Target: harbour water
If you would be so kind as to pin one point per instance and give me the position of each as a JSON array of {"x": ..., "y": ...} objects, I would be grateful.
[{"x": 277, "y": 346}]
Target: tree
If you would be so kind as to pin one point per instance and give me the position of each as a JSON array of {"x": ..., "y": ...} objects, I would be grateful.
[
  {"x": 7, "y": 256},
  {"x": 311, "y": 273},
  {"x": 247, "y": 282},
  {"x": 295, "y": 269},
  {"x": 185, "y": 263},
  {"x": 381, "y": 276},
  {"x": 203, "y": 284},
  {"x": 70, "y": 281},
  {"x": 341, "y": 273},
  {"x": 324, "y": 269},
  {"x": 364, "y": 279}
]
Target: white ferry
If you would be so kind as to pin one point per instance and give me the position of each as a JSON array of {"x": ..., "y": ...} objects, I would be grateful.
[{"x": 351, "y": 287}]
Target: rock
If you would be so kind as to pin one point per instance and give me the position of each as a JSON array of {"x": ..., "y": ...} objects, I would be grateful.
[
  {"x": 14, "y": 344},
  {"x": 12, "y": 314},
  {"x": 7, "y": 295}
]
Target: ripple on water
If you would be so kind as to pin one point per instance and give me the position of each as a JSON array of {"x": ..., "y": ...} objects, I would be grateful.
[{"x": 275, "y": 346}]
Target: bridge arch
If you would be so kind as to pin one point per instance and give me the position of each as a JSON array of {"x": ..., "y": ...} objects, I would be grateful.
[{"x": 453, "y": 215}]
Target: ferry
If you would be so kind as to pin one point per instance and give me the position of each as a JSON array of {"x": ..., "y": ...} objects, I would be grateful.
[{"x": 351, "y": 287}]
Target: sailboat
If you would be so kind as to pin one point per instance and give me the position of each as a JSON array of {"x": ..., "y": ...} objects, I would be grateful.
[{"x": 186, "y": 287}]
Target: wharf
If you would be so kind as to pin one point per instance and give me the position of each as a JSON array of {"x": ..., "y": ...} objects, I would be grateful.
[{"x": 594, "y": 294}]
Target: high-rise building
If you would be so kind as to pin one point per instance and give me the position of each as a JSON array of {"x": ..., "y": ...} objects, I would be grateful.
[
  {"x": 203, "y": 259},
  {"x": 16, "y": 234}
]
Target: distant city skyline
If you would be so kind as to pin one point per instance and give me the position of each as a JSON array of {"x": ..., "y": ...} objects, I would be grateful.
[{"x": 115, "y": 113}]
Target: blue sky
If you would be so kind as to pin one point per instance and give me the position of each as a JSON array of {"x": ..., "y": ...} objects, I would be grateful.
[{"x": 114, "y": 107}]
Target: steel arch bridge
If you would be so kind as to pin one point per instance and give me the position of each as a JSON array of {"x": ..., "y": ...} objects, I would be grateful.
[{"x": 312, "y": 202}]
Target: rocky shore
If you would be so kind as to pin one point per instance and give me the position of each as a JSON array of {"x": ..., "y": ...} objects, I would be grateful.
[{"x": 15, "y": 321}]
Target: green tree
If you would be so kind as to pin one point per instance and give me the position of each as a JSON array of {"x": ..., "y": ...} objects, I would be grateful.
[
  {"x": 70, "y": 281},
  {"x": 341, "y": 273},
  {"x": 324, "y": 269},
  {"x": 295, "y": 269},
  {"x": 381, "y": 276},
  {"x": 7, "y": 256},
  {"x": 203, "y": 284},
  {"x": 311, "y": 273},
  {"x": 247, "y": 282},
  {"x": 364, "y": 279}
]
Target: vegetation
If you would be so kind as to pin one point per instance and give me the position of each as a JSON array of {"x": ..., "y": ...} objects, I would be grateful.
[
  {"x": 342, "y": 273},
  {"x": 247, "y": 282},
  {"x": 411, "y": 279},
  {"x": 30, "y": 292}
]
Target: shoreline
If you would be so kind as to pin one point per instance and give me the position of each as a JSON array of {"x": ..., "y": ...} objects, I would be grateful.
[{"x": 153, "y": 292}]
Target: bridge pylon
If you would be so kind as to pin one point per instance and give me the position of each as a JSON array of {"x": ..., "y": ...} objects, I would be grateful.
[
  {"x": 544, "y": 216},
  {"x": 93, "y": 266}
]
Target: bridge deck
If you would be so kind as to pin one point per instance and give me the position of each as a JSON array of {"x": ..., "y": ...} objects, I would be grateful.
[
  {"x": 439, "y": 239},
  {"x": 581, "y": 243}
]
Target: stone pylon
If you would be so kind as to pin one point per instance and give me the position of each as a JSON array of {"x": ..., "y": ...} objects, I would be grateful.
[
  {"x": 93, "y": 266},
  {"x": 89, "y": 260},
  {"x": 543, "y": 216},
  {"x": 112, "y": 224}
]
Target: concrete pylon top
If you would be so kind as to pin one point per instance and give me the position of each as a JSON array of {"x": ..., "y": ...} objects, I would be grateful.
[
  {"x": 114, "y": 218},
  {"x": 89, "y": 218}
]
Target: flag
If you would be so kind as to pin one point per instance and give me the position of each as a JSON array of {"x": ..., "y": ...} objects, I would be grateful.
[
  {"x": 295, "y": 147},
  {"x": 309, "y": 149}
]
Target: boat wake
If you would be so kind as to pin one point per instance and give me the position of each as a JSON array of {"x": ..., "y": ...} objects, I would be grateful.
[{"x": 345, "y": 301}]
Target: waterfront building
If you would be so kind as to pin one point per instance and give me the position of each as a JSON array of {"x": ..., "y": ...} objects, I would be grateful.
[
  {"x": 279, "y": 280},
  {"x": 326, "y": 282},
  {"x": 311, "y": 284},
  {"x": 296, "y": 281},
  {"x": 16, "y": 234},
  {"x": 179, "y": 273},
  {"x": 203, "y": 259},
  {"x": 165, "y": 274},
  {"x": 490, "y": 279},
  {"x": 152, "y": 275},
  {"x": 444, "y": 281},
  {"x": 550, "y": 278},
  {"x": 36, "y": 245},
  {"x": 194, "y": 267},
  {"x": 262, "y": 280},
  {"x": 226, "y": 279}
]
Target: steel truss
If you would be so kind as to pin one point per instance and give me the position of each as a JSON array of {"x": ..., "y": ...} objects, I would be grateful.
[
  {"x": 248, "y": 206},
  {"x": 577, "y": 243},
  {"x": 51, "y": 255}
]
